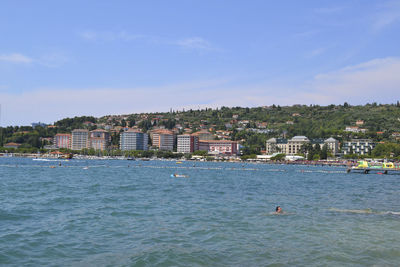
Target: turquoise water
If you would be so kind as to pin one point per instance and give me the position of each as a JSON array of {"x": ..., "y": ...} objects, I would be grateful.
[{"x": 132, "y": 213}]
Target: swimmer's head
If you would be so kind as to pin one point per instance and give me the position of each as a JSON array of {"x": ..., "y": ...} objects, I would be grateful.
[{"x": 278, "y": 209}]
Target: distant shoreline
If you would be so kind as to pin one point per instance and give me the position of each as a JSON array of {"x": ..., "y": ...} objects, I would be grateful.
[{"x": 337, "y": 163}]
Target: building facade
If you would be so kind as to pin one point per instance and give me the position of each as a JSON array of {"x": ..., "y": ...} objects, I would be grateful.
[
  {"x": 163, "y": 140},
  {"x": 133, "y": 140},
  {"x": 62, "y": 140},
  {"x": 187, "y": 143},
  {"x": 219, "y": 147},
  {"x": 276, "y": 145},
  {"x": 99, "y": 139},
  {"x": 80, "y": 139},
  {"x": 284, "y": 146},
  {"x": 358, "y": 146},
  {"x": 293, "y": 146},
  {"x": 333, "y": 145}
]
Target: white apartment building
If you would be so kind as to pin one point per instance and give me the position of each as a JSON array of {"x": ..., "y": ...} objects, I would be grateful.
[{"x": 187, "y": 143}]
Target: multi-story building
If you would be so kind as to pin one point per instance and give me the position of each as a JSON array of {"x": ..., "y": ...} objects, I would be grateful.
[
  {"x": 284, "y": 146},
  {"x": 333, "y": 145},
  {"x": 62, "y": 140},
  {"x": 187, "y": 143},
  {"x": 217, "y": 147},
  {"x": 163, "y": 139},
  {"x": 293, "y": 146},
  {"x": 99, "y": 139},
  {"x": 133, "y": 140},
  {"x": 80, "y": 139},
  {"x": 358, "y": 146},
  {"x": 276, "y": 145}
]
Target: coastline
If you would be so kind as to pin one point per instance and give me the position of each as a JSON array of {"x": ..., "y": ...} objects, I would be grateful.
[{"x": 337, "y": 163}]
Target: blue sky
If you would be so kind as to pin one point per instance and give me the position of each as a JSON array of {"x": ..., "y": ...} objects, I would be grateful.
[{"x": 70, "y": 58}]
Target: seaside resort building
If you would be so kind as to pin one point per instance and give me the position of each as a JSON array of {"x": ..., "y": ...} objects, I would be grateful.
[
  {"x": 80, "y": 139},
  {"x": 187, "y": 143},
  {"x": 358, "y": 146},
  {"x": 218, "y": 147},
  {"x": 293, "y": 146},
  {"x": 133, "y": 140},
  {"x": 62, "y": 140},
  {"x": 163, "y": 139},
  {"x": 99, "y": 139}
]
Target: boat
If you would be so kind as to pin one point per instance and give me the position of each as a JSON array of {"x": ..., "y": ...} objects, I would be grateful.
[
  {"x": 130, "y": 158},
  {"x": 175, "y": 175}
]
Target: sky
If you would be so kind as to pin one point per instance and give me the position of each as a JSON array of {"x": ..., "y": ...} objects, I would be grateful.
[{"x": 71, "y": 58}]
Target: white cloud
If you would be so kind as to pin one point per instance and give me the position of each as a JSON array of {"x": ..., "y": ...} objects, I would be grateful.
[
  {"x": 49, "y": 60},
  {"x": 388, "y": 15},
  {"x": 15, "y": 58},
  {"x": 110, "y": 36},
  {"x": 195, "y": 43},
  {"x": 376, "y": 80}
]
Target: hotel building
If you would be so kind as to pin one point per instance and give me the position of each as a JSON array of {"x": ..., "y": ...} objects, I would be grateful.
[
  {"x": 133, "y": 140},
  {"x": 358, "y": 146},
  {"x": 99, "y": 139},
  {"x": 293, "y": 146},
  {"x": 187, "y": 143},
  {"x": 62, "y": 140},
  {"x": 80, "y": 139},
  {"x": 163, "y": 139},
  {"x": 218, "y": 147}
]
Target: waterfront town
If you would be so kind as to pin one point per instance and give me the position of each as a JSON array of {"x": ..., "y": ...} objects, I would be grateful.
[{"x": 231, "y": 136}]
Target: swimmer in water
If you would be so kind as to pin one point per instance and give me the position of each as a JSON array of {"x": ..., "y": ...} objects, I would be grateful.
[{"x": 278, "y": 209}]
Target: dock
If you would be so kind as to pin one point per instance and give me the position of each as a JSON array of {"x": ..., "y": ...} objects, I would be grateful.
[{"x": 375, "y": 170}]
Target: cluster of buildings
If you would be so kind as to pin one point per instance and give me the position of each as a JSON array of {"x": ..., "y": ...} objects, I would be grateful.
[
  {"x": 81, "y": 138},
  {"x": 132, "y": 139},
  {"x": 294, "y": 145}
]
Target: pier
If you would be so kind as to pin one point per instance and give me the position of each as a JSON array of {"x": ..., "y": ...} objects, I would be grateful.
[{"x": 375, "y": 170}]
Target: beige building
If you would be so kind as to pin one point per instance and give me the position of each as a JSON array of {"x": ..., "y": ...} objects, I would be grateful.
[
  {"x": 80, "y": 139},
  {"x": 293, "y": 146},
  {"x": 163, "y": 139},
  {"x": 99, "y": 139},
  {"x": 333, "y": 145}
]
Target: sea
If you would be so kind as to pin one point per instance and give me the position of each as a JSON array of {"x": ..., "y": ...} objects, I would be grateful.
[{"x": 135, "y": 213}]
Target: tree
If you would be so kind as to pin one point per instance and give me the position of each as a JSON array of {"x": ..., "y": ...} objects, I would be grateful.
[{"x": 324, "y": 152}]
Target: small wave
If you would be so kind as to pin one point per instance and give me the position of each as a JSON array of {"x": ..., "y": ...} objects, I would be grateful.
[
  {"x": 47, "y": 160},
  {"x": 273, "y": 213},
  {"x": 390, "y": 212},
  {"x": 365, "y": 211}
]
